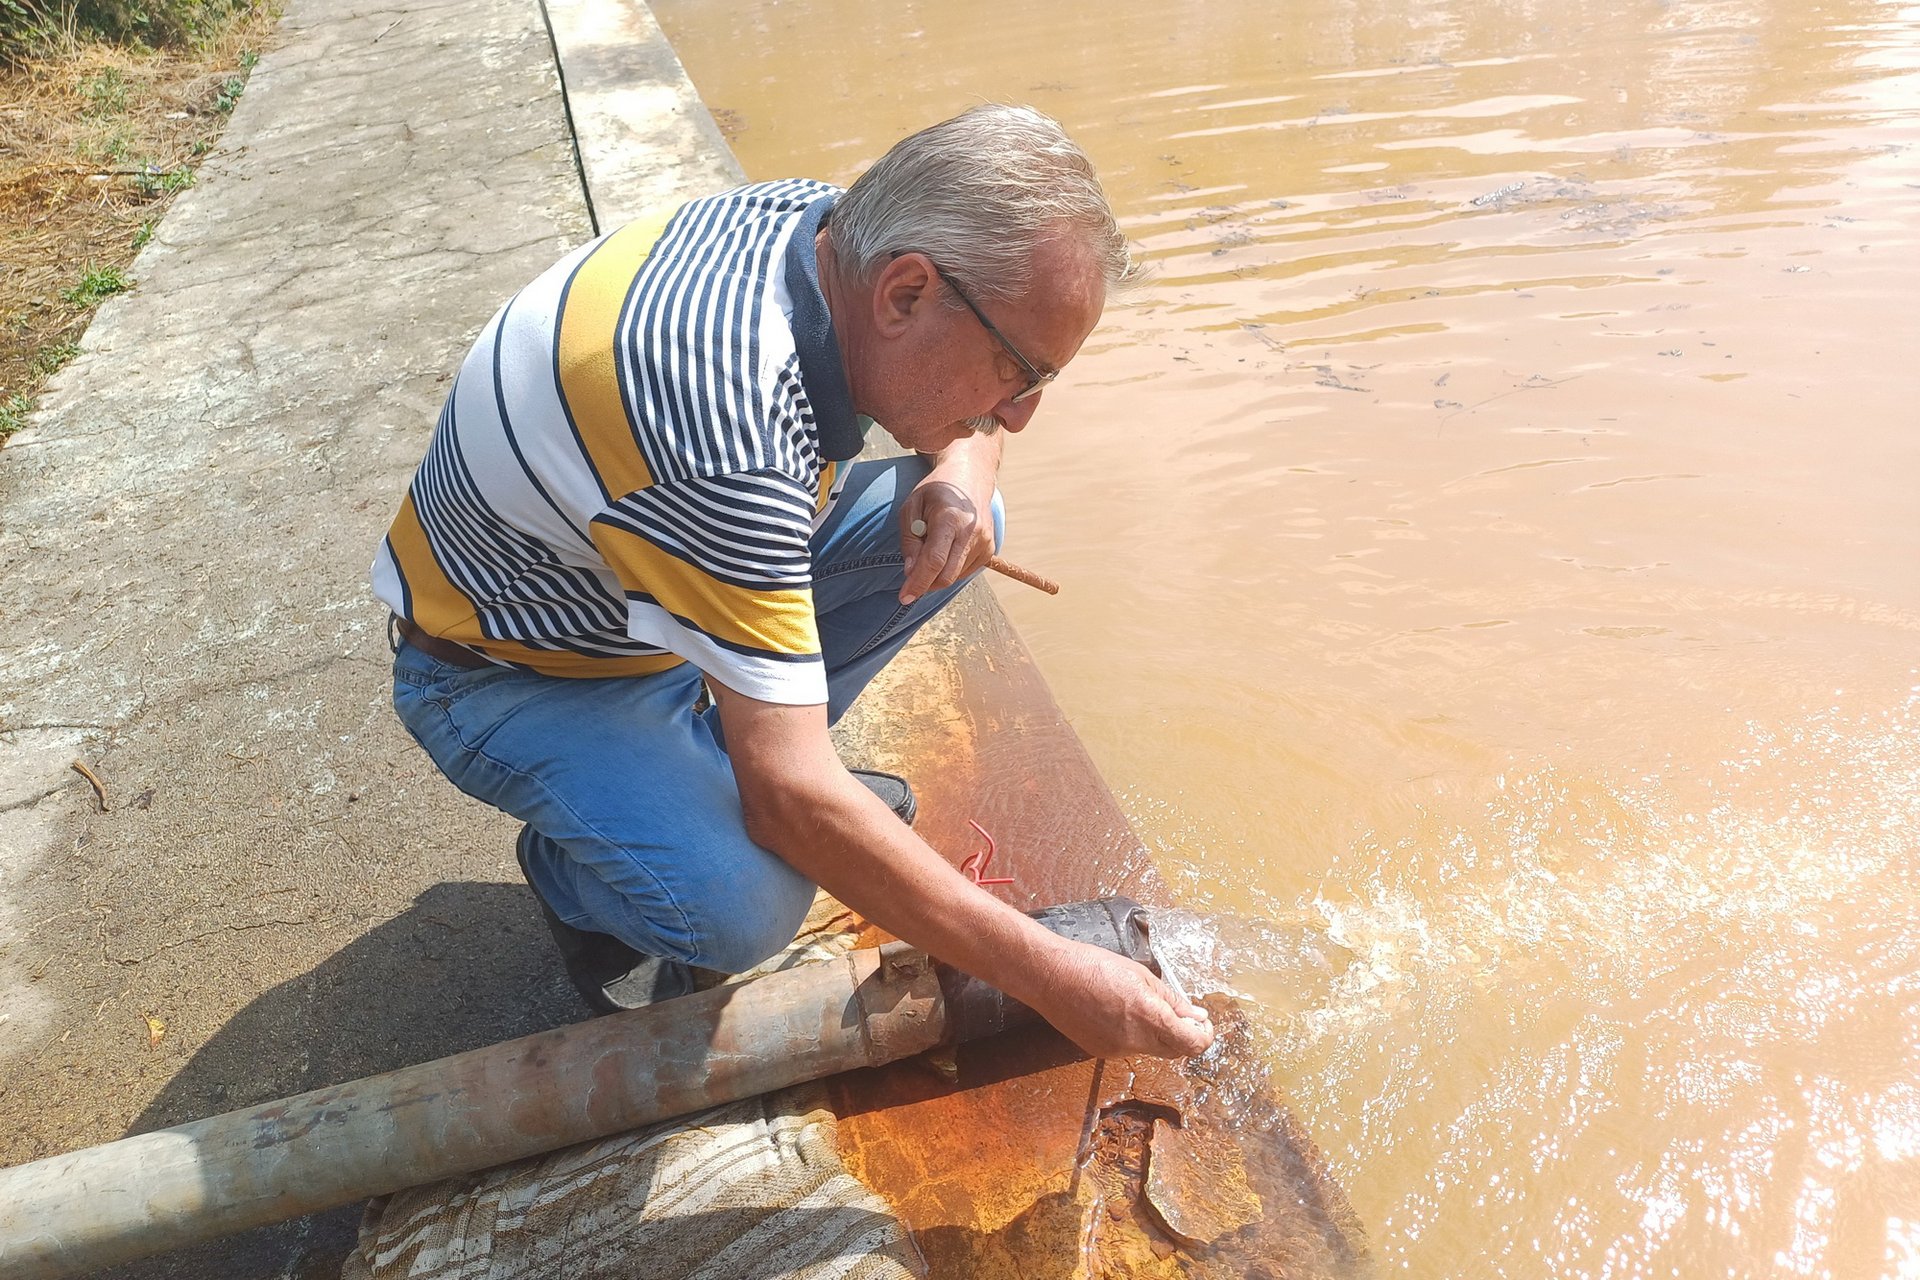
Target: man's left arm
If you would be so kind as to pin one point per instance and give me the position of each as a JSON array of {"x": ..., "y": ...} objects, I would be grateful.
[{"x": 954, "y": 504}]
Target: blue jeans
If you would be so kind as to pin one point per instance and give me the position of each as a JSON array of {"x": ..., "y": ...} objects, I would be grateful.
[{"x": 629, "y": 793}]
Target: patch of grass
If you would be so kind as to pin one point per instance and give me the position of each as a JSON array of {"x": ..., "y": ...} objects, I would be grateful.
[
  {"x": 36, "y": 28},
  {"x": 110, "y": 146},
  {"x": 51, "y": 360},
  {"x": 95, "y": 139},
  {"x": 105, "y": 92},
  {"x": 13, "y": 413},
  {"x": 152, "y": 182},
  {"x": 27, "y": 26},
  {"x": 96, "y": 285}
]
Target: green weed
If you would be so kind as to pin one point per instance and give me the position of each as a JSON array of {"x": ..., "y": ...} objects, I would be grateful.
[
  {"x": 110, "y": 147},
  {"x": 229, "y": 96},
  {"x": 152, "y": 183},
  {"x": 51, "y": 360},
  {"x": 105, "y": 92},
  {"x": 97, "y": 283},
  {"x": 13, "y": 413},
  {"x": 144, "y": 236},
  {"x": 30, "y": 27}
]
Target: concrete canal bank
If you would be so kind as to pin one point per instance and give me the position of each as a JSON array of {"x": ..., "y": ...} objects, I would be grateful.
[{"x": 276, "y": 891}]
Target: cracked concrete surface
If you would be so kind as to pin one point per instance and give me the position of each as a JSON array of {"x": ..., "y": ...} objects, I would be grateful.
[{"x": 281, "y": 892}]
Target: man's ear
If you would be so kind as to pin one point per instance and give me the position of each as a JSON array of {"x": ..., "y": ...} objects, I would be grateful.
[{"x": 902, "y": 292}]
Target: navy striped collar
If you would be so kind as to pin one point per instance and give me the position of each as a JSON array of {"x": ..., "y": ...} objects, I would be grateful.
[{"x": 820, "y": 367}]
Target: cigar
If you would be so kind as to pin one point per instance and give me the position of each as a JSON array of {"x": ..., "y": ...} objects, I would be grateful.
[
  {"x": 1006, "y": 567},
  {"x": 1028, "y": 576}
]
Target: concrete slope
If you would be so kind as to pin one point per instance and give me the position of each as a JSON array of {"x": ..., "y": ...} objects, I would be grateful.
[{"x": 282, "y": 893}]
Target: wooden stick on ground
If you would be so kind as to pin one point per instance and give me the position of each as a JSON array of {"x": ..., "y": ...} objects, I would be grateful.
[{"x": 93, "y": 780}]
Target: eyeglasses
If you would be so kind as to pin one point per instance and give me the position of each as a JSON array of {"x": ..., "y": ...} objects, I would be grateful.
[{"x": 1036, "y": 380}]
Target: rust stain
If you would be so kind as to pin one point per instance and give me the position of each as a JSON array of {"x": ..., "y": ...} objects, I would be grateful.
[
  {"x": 977, "y": 1150},
  {"x": 1198, "y": 1189}
]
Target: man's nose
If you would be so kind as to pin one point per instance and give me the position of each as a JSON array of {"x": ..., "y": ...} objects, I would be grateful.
[{"x": 1015, "y": 414}]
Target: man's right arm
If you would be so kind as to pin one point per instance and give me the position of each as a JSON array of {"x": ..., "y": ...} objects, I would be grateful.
[{"x": 802, "y": 804}]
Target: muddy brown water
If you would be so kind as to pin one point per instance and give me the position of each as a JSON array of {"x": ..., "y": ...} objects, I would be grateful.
[{"x": 1491, "y": 553}]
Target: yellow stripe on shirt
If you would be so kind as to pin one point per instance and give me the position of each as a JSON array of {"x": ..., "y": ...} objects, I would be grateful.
[
  {"x": 563, "y": 662},
  {"x": 770, "y": 621},
  {"x": 589, "y": 376},
  {"x": 438, "y": 607}
]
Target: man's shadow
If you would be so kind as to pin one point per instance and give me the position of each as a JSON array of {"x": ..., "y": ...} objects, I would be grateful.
[{"x": 467, "y": 965}]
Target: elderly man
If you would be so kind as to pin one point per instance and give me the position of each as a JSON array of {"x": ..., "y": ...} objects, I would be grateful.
[{"x": 641, "y": 498}]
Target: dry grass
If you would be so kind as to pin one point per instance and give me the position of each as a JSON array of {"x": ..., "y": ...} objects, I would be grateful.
[{"x": 95, "y": 141}]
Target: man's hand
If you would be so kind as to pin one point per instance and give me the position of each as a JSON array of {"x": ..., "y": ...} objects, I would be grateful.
[
  {"x": 946, "y": 523},
  {"x": 800, "y": 802},
  {"x": 1112, "y": 1007},
  {"x": 943, "y": 536}
]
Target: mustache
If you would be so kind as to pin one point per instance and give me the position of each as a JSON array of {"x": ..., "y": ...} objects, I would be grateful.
[{"x": 982, "y": 426}]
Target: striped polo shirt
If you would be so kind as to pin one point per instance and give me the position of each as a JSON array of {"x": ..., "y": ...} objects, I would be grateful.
[{"x": 634, "y": 454}]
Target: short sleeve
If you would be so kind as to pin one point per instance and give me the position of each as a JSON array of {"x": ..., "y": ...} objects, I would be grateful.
[{"x": 717, "y": 569}]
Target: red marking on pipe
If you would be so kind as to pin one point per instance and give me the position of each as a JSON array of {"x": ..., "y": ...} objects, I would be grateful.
[{"x": 976, "y": 864}]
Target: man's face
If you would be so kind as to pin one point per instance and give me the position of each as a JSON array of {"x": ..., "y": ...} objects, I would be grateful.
[{"x": 947, "y": 375}]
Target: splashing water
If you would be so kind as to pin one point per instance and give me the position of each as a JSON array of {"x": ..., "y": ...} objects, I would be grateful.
[{"x": 1668, "y": 1027}]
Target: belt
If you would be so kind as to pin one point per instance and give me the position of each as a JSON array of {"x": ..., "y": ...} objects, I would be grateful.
[{"x": 446, "y": 651}]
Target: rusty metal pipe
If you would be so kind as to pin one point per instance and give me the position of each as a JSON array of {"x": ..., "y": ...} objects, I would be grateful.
[
  {"x": 93, "y": 1208},
  {"x": 104, "y": 1205}
]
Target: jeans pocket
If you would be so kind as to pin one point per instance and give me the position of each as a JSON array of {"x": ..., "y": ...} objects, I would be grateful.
[
  {"x": 439, "y": 711},
  {"x": 457, "y": 684}
]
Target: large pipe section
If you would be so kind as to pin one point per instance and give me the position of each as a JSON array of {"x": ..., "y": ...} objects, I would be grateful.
[{"x": 104, "y": 1205}]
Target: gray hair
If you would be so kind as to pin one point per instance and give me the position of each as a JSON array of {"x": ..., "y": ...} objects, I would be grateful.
[{"x": 978, "y": 194}]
